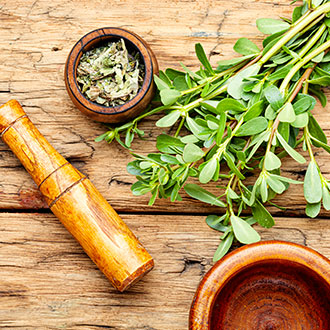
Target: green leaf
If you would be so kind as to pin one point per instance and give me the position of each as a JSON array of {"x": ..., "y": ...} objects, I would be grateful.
[
  {"x": 195, "y": 191},
  {"x": 202, "y": 58},
  {"x": 312, "y": 184},
  {"x": 312, "y": 210},
  {"x": 190, "y": 73},
  {"x": 296, "y": 14},
  {"x": 180, "y": 83},
  {"x": 284, "y": 179},
  {"x": 322, "y": 81},
  {"x": 172, "y": 73},
  {"x": 223, "y": 247},
  {"x": 270, "y": 114},
  {"x": 274, "y": 97},
  {"x": 315, "y": 130},
  {"x": 169, "y": 159},
  {"x": 233, "y": 61},
  {"x": 233, "y": 167},
  {"x": 236, "y": 84},
  {"x": 139, "y": 188},
  {"x": 326, "y": 198},
  {"x": 262, "y": 216},
  {"x": 319, "y": 94},
  {"x": 276, "y": 185},
  {"x": 134, "y": 168},
  {"x": 254, "y": 111},
  {"x": 280, "y": 73},
  {"x": 253, "y": 127},
  {"x": 293, "y": 153},
  {"x": 195, "y": 128},
  {"x": 271, "y": 26},
  {"x": 287, "y": 114},
  {"x": 161, "y": 84},
  {"x": 264, "y": 190},
  {"x": 244, "y": 233},
  {"x": 272, "y": 162},
  {"x": 101, "y": 137},
  {"x": 169, "y": 144},
  {"x": 169, "y": 96},
  {"x": 228, "y": 104},
  {"x": 301, "y": 120},
  {"x": 208, "y": 171},
  {"x": 318, "y": 143},
  {"x": 214, "y": 222},
  {"x": 169, "y": 120},
  {"x": 221, "y": 129},
  {"x": 192, "y": 153},
  {"x": 245, "y": 46},
  {"x": 303, "y": 104}
]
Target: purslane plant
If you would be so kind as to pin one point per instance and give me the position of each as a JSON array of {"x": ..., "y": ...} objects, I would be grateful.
[{"x": 244, "y": 116}]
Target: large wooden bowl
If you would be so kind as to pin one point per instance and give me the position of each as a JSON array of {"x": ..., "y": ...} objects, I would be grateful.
[
  {"x": 265, "y": 286},
  {"x": 97, "y": 111}
]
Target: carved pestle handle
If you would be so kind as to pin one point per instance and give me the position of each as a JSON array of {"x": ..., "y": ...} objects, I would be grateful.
[{"x": 75, "y": 201}]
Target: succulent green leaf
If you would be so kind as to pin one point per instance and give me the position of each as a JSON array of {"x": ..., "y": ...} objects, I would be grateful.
[
  {"x": 169, "y": 120},
  {"x": 271, "y": 26},
  {"x": 243, "y": 231},
  {"x": 195, "y": 191},
  {"x": 287, "y": 114},
  {"x": 208, "y": 171},
  {"x": 261, "y": 215},
  {"x": 274, "y": 97},
  {"x": 169, "y": 96},
  {"x": 312, "y": 184},
  {"x": 192, "y": 153},
  {"x": 312, "y": 210},
  {"x": 236, "y": 84},
  {"x": 223, "y": 247},
  {"x": 245, "y": 46},
  {"x": 272, "y": 162},
  {"x": 293, "y": 153},
  {"x": 203, "y": 58},
  {"x": 253, "y": 127}
]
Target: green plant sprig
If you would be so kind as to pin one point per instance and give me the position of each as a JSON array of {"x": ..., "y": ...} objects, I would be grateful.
[{"x": 243, "y": 116}]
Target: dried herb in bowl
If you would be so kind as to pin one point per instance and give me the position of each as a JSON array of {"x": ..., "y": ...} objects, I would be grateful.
[{"x": 109, "y": 75}]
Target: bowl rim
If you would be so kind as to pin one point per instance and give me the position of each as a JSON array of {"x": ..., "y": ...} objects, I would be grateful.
[
  {"x": 227, "y": 267},
  {"x": 80, "y": 46}
]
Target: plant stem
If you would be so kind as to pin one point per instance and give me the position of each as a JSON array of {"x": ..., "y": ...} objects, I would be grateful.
[
  {"x": 310, "y": 43},
  {"x": 179, "y": 127},
  {"x": 308, "y": 143},
  {"x": 301, "y": 63},
  {"x": 214, "y": 78},
  {"x": 294, "y": 30}
]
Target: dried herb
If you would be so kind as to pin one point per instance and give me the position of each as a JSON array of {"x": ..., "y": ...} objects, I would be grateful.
[
  {"x": 247, "y": 114},
  {"x": 109, "y": 75}
]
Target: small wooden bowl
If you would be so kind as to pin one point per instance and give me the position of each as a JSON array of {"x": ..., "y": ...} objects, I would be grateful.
[
  {"x": 97, "y": 111},
  {"x": 265, "y": 286}
]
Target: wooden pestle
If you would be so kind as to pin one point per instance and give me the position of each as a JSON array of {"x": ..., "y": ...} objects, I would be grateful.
[{"x": 75, "y": 201}]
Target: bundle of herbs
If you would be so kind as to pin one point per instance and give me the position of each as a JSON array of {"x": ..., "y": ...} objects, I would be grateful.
[{"x": 244, "y": 116}]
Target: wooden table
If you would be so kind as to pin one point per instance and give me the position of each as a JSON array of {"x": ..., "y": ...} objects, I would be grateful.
[{"x": 46, "y": 280}]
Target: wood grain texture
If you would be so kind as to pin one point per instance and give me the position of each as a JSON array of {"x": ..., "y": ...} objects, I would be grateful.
[
  {"x": 35, "y": 40},
  {"x": 47, "y": 282},
  {"x": 76, "y": 202}
]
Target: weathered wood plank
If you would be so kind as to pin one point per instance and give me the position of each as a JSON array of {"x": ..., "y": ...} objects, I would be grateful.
[
  {"x": 47, "y": 282},
  {"x": 36, "y": 37}
]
